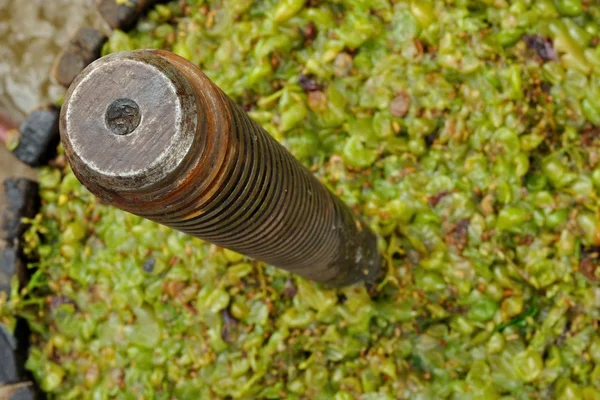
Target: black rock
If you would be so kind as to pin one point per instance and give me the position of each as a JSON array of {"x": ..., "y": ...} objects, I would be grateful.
[
  {"x": 39, "y": 137},
  {"x": 122, "y": 16},
  {"x": 22, "y": 201},
  {"x": 89, "y": 40},
  {"x": 10, "y": 265},
  {"x": 21, "y": 391},
  {"x": 15, "y": 382},
  {"x": 8, "y": 345},
  {"x": 84, "y": 48}
]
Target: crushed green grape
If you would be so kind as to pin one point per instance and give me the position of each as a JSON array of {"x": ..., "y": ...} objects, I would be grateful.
[{"x": 465, "y": 132}]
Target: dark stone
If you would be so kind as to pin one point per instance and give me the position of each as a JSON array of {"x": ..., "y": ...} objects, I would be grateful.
[
  {"x": 10, "y": 264},
  {"x": 23, "y": 391},
  {"x": 39, "y": 137},
  {"x": 89, "y": 40},
  {"x": 122, "y": 16},
  {"x": 67, "y": 66},
  {"x": 8, "y": 345},
  {"x": 14, "y": 379},
  {"x": 22, "y": 201},
  {"x": 16, "y": 383},
  {"x": 83, "y": 49}
]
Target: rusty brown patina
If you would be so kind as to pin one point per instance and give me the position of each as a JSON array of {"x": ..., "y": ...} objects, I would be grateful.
[{"x": 196, "y": 162}]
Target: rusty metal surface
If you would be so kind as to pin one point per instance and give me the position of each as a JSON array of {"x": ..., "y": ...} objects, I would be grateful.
[{"x": 149, "y": 133}]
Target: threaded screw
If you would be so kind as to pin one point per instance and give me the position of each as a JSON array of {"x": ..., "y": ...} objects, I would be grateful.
[{"x": 149, "y": 133}]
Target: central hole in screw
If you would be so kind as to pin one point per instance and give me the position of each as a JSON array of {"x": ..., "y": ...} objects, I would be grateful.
[{"x": 123, "y": 116}]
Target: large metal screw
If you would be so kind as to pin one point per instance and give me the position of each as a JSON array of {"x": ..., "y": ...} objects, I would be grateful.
[{"x": 148, "y": 132}]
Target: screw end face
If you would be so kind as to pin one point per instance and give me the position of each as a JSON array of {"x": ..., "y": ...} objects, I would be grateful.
[{"x": 128, "y": 122}]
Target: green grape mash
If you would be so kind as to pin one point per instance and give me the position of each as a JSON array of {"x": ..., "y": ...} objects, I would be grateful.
[{"x": 466, "y": 132}]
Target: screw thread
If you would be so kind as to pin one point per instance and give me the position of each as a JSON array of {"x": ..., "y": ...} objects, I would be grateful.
[{"x": 242, "y": 190}]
